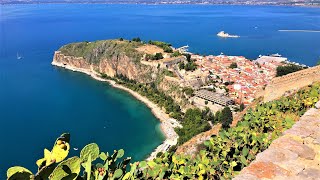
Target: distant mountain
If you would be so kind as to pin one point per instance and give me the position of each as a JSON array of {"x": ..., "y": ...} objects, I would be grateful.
[{"x": 243, "y": 2}]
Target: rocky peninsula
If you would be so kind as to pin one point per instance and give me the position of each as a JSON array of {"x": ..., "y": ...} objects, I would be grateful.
[{"x": 109, "y": 58}]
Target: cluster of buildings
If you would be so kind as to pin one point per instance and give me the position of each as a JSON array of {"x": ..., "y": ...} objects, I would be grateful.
[{"x": 242, "y": 80}]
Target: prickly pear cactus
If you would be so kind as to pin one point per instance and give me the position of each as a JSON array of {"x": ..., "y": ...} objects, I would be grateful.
[
  {"x": 90, "y": 149},
  {"x": 59, "y": 151},
  {"x": 120, "y": 153},
  {"x": 18, "y": 172},
  {"x": 61, "y": 148},
  {"x": 117, "y": 174},
  {"x": 88, "y": 167},
  {"x": 68, "y": 169}
]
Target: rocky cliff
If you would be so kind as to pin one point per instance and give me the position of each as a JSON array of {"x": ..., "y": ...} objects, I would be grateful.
[{"x": 109, "y": 57}]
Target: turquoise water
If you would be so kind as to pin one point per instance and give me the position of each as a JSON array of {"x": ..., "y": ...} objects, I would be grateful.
[{"x": 39, "y": 101}]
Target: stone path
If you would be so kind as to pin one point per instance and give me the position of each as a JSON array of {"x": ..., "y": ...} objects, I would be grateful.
[{"x": 293, "y": 156}]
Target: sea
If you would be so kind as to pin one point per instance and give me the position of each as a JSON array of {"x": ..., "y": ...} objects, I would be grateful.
[{"x": 38, "y": 101}]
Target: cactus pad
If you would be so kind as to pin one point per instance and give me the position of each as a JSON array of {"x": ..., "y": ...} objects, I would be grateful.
[
  {"x": 90, "y": 149},
  {"x": 18, "y": 172},
  {"x": 68, "y": 169}
]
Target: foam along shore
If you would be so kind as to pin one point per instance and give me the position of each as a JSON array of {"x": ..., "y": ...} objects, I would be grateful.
[{"x": 167, "y": 124}]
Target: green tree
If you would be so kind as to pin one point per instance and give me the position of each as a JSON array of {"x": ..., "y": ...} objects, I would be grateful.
[
  {"x": 137, "y": 39},
  {"x": 158, "y": 56},
  {"x": 318, "y": 63},
  {"x": 188, "y": 56},
  {"x": 193, "y": 123},
  {"x": 233, "y": 65},
  {"x": 190, "y": 66},
  {"x": 242, "y": 107},
  {"x": 226, "y": 117},
  {"x": 287, "y": 69},
  {"x": 181, "y": 65},
  {"x": 188, "y": 91},
  {"x": 176, "y": 54}
]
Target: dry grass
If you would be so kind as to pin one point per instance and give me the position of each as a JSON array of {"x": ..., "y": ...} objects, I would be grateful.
[{"x": 149, "y": 49}]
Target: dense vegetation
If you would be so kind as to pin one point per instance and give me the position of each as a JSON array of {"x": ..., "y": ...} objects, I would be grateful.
[
  {"x": 95, "y": 51},
  {"x": 165, "y": 46},
  {"x": 223, "y": 157},
  {"x": 157, "y": 56},
  {"x": 176, "y": 54},
  {"x": 153, "y": 94},
  {"x": 190, "y": 65},
  {"x": 233, "y": 65},
  {"x": 194, "y": 122},
  {"x": 287, "y": 69},
  {"x": 137, "y": 39}
]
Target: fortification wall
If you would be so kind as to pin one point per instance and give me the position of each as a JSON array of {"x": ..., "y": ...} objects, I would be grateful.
[
  {"x": 293, "y": 156},
  {"x": 294, "y": 81}
]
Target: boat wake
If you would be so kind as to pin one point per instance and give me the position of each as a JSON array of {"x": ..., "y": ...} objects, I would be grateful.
[{"x": 295, "y": 30}]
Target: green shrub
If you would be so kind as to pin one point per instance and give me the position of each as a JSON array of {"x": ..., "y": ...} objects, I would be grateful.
[
  {"x": 226, "y": 117},
  {"x": 287, "y": 69},
  {"x": 233, "y": 65},
  {"x": 165, "y": 46}
]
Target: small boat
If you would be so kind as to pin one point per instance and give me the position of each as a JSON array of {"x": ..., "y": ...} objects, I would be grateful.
[
  {"x": 19, "y": 56},
  {"x": 276, "y": 55},
  {"x": 76, "y": 149}
]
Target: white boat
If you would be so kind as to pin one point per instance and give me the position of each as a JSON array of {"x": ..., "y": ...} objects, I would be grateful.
[
  {"x": 19, "y": 56},
  {"x": 276, "y": 55},
  {"x": 226, "y": 35},
  {"x": 76, "y": 149}
]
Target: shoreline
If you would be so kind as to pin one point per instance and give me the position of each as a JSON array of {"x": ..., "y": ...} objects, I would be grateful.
[{"x": 167, "y": 124}]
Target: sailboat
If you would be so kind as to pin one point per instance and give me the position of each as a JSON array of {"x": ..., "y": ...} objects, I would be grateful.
[{"x": 19, "y": 56}]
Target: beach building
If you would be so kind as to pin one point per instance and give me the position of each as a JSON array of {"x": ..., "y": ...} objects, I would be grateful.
[
  {"x": 214, "y": 97},
  {"x": 169, "y": 62},
  {"x": 270, "y": 59}
]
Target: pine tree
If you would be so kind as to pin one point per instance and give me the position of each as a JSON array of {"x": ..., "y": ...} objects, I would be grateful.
[{"x": 226, "y": 117}]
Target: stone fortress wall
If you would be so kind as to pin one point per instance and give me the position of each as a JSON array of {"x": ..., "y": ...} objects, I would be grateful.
[
  {"x": 293, "y": 156},
  {"x": 293, "y": 81}
]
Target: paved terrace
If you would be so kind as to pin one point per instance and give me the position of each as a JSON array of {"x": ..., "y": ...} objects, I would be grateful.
[
  {"x": 214, "y": 97},
  {"x": 294, "y": 156}
]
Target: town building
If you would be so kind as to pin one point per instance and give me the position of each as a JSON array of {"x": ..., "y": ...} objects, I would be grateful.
[{"x": 214, "y": 97}]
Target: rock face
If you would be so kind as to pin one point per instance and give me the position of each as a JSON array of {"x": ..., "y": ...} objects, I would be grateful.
[
  {"x": 111, "y": 67},
  {"x": 293, "y": 81},
  {"x": 171, "y": 87},
  {"x": 107, "y": 57},
  {"x": 294, "y": 156}
]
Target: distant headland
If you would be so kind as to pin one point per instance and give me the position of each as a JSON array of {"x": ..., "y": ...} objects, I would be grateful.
[{"x": 155, "y": 2}]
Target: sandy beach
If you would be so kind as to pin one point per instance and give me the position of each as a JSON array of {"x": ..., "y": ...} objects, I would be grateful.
[{"x": 167, "y": 124}]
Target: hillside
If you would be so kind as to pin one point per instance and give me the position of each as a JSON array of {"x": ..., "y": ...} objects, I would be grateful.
[
  {"x": 96, "y": 51},
  {"x": 223, "y": 156},
  {"x": 107, "y": 57}
]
